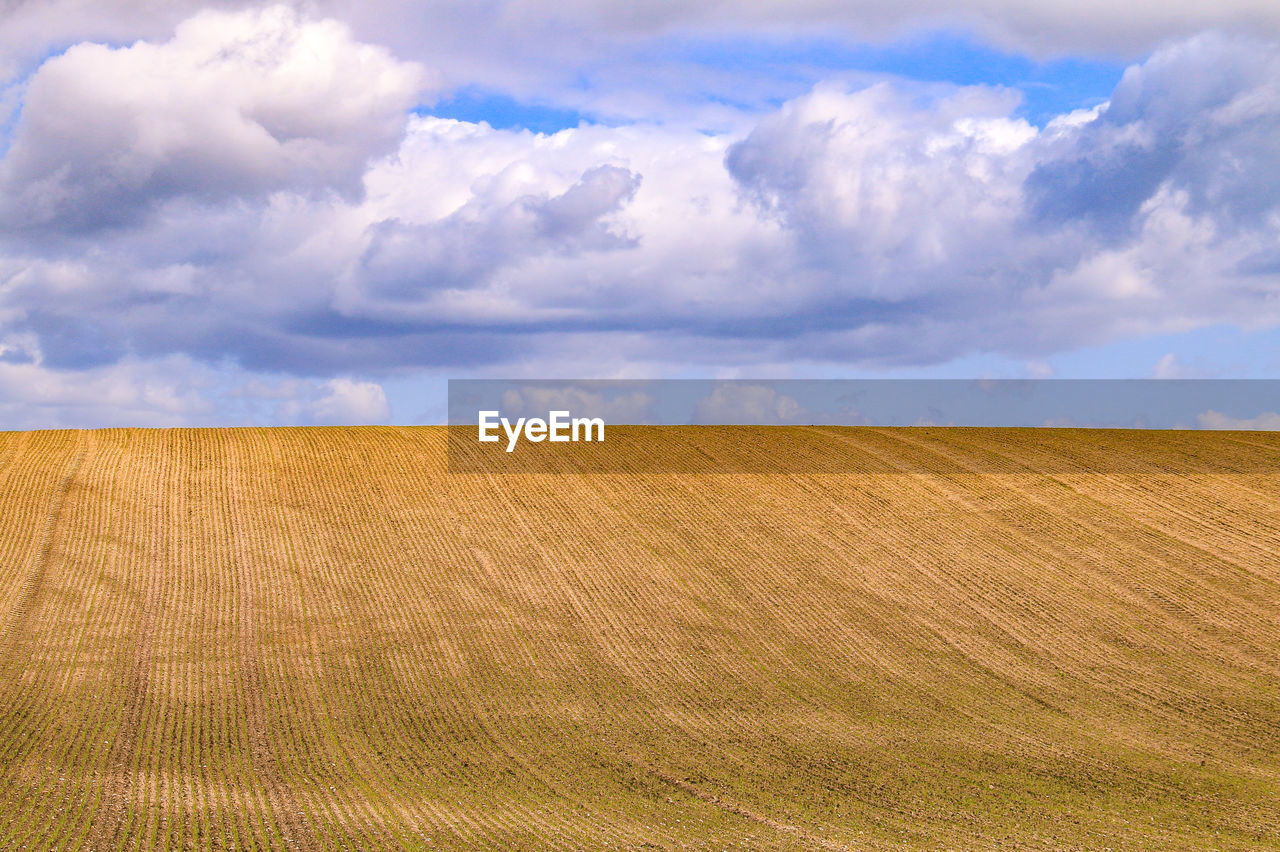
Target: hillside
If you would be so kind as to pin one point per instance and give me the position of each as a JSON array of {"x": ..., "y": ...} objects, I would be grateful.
[{"x": 321, "y": 639}]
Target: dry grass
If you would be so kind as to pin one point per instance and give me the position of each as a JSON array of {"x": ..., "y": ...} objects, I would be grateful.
[{"x": 319, "y": 639}]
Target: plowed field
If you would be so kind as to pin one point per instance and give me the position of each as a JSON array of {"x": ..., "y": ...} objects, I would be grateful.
[{"x": 321, "y": 639}]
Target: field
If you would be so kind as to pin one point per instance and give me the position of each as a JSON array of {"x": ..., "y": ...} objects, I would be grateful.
[{"x": 321, "y": 639}]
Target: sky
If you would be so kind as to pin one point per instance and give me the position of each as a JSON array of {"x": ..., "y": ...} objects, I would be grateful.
[{"x": 229, "y": 213}]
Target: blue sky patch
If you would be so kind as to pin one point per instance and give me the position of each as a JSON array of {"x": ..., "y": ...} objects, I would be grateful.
[
  {"x": 1049, "y": 88},
  {"x": 503, "y": 112}
]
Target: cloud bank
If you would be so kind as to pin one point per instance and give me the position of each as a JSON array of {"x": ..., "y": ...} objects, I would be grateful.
[{"x": 251, "y": 194}]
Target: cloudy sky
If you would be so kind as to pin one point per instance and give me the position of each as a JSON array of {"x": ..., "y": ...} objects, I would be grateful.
[{"x": 226, "y": 213}]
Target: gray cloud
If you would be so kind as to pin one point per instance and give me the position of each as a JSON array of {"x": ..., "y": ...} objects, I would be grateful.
[
  {"x": 521, "y": 39},
  {"x": 404, "y": 263},
  {"x": 1200, "y": 117}
]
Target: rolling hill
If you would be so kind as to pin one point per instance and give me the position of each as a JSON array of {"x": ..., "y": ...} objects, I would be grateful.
[{"x": 323, "y": 639}]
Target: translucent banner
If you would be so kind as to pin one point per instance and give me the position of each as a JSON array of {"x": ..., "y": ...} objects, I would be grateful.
[{"x": 883, "y": 426}]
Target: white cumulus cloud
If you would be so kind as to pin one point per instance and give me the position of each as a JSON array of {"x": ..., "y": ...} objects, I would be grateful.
[
  {"x": 1268, "y": 421},
  {"x": 348, "y": 402},
  {"x": 630, "y": 407},
  {"x": 730, "y": 404},
  {"x": 233, "y": 105}
]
